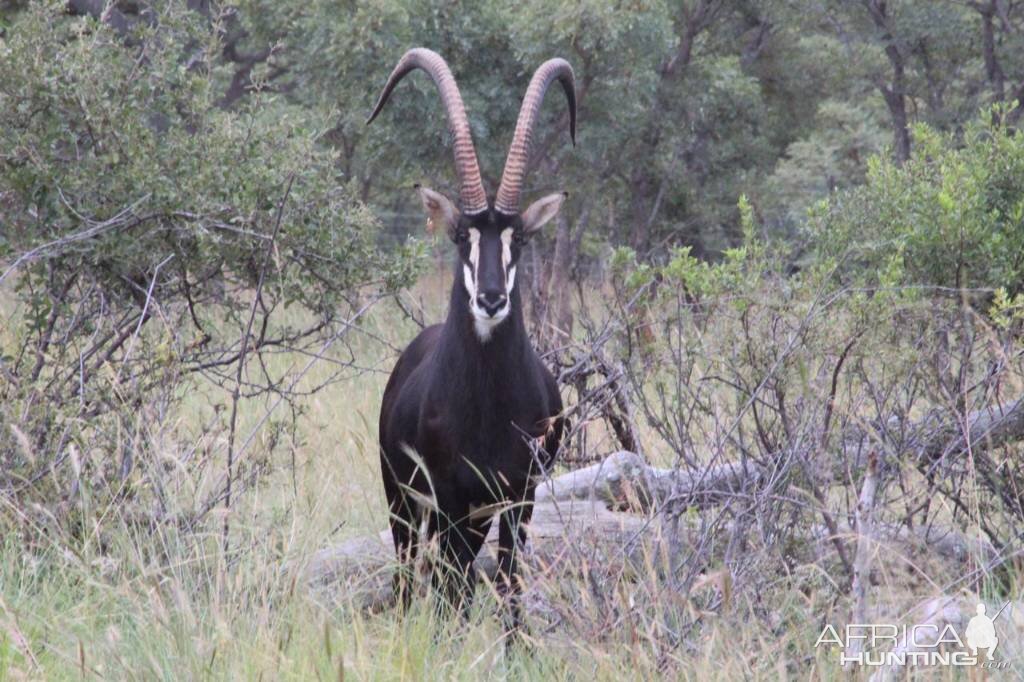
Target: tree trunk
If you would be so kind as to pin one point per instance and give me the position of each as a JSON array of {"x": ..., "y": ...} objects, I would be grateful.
[
  {"x": 894, "y": 92},
  {"x": 993, "y": 70},
  {"x": 554, "y": 318},
  {"x": 643, "y": 182}
]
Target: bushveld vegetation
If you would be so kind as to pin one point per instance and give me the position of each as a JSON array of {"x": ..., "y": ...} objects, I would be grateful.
[{"x": 792, "y": 252}]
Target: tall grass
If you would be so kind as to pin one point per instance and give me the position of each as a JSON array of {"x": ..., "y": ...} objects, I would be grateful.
[{"x": 130, "y": 599}]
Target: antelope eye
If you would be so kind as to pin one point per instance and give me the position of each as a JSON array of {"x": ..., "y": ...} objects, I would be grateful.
[
  {"x": 519, "y": 237},
  {"x": 460, "y": 236}
]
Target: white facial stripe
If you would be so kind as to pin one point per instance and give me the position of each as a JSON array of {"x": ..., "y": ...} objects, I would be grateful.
[
  {"x": 469, "y": 283},
  {"x": 474, "y": 251},
  {"x": 506, "y": 260},
  {"x": 506, "y": 247}
]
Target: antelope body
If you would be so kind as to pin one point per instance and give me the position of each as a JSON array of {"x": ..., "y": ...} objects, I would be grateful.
[{"x": 470, "y": 414}]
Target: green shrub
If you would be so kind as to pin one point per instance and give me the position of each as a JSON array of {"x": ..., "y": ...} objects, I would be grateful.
[
  {"x": 138, "y": 219},
  {"x": 951, "y": 216}
]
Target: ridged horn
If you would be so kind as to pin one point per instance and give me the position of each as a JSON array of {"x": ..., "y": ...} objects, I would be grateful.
[
  {"x": 511, "y": 186},
  {"x": 471, "y": 187}
]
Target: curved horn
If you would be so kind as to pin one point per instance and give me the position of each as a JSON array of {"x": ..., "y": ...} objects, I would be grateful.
[
  {"x": 519, "y": 153},
  {"x": 471, "y": 187}
]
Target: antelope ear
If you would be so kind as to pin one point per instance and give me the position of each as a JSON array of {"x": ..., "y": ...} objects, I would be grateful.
[
  {"x": 541, "y": 211},
  {"x": 440, "y": 211}
]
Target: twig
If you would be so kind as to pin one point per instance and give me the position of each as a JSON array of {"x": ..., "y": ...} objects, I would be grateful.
[
  {"x": 96, "y": 229},
  {"x": 861, "y": 578},
  {"x": 316, "y": 357},
  {"x": 241, "y": 362},
  {"x": 145, "y": 312}
]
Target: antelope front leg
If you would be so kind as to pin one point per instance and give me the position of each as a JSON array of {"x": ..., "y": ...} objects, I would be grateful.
[
  {"x": 455, "y": 578},
  {"x": 511, "y": 543},
  {"x": 403, "y": 518}
]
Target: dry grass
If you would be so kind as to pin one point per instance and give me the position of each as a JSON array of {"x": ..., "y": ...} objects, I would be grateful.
[{"x": 128, "y": 601}]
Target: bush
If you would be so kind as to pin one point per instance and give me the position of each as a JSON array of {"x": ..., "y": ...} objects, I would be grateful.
[
  {"x": 952, "y": 216},
  {"x": 150, "y": 235}
]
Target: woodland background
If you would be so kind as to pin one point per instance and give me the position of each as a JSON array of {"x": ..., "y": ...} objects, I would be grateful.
[{"x": 794, "y": 244}]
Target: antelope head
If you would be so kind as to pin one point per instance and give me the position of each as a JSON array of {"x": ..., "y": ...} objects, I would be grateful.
[{"x": 489, "y": 235}]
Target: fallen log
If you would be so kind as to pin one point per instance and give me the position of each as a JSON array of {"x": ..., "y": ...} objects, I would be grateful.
[
  {"x": 624, "y": 481},
  {"x": 937, "y": 436},
  {"x": 986, "y": 429},
  {"x": 564, "y": 535},
  {"x": 945, "y": 542},
  {"x": 592, "y": 508},
  {"x": 579, "y": 506}
]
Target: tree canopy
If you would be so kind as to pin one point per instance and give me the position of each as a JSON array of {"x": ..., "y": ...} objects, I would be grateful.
[{"x": 206, "y": 164}]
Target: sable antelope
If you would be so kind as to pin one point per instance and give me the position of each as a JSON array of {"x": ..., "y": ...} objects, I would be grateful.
[{"x": 467, "y": 397}]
